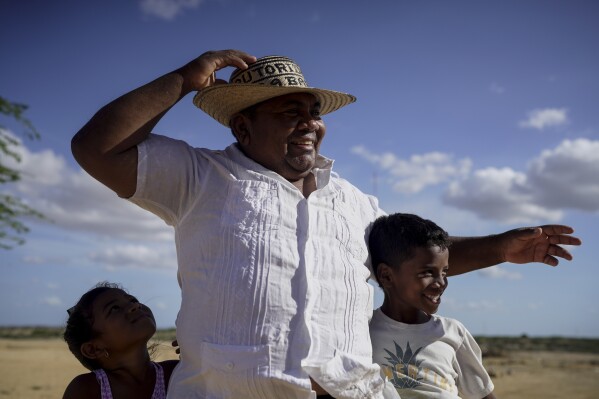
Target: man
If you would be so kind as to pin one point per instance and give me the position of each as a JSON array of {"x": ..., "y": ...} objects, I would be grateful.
[{"x": 271, "y": 245}]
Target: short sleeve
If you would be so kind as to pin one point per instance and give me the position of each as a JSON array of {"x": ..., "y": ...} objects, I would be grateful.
[
  {"x": 168, "y": 177},
  {"x": 473, "y": 380}
]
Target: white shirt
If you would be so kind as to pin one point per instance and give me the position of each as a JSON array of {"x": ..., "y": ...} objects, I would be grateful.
[
  {"x": 437, "y": 359},
  {"x": 274, "y": 285}
]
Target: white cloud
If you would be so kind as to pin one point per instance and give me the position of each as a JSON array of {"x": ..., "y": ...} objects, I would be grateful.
[
  {"x": 73, "y": 200},
  {"x": 33, "y": 260},
  {"x": 498, "y": 272},
  {"x": 543, "y": 118},
  {"x": 135, "y": 256},
  {"x": 560, "y": 178},
  {"x": 496, "y": 88},
  {"x": 484, "y": 305},
  {"x": 498, "y": 194},
  {"x": 568, "y": 175},
  {"x": 534, "y": 305},
  {"x": 52, "y": 301},
  {"x": 167, "y": 9},
  {"x": 418, "y": 172},
  {"x": 565, "y": 177}
]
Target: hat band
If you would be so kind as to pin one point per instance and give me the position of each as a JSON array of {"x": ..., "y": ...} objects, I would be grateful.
[{"x": 273, "y": 70}]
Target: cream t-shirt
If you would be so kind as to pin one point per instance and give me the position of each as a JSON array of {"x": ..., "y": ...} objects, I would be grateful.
[{"x": 436, "y": 359}]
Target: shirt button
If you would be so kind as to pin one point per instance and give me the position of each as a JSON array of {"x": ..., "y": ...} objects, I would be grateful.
[{"x": 230, "y": 365}]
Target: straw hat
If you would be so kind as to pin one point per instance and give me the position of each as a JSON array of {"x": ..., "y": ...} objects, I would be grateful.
[{"x": 268, "y": 77}]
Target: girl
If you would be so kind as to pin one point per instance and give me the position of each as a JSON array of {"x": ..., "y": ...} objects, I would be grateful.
[{"x": 108, "y": 331}]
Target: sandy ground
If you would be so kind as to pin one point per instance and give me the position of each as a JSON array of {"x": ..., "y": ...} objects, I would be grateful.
[
  {"x": 546, "y": 375},
  {"x": 35, "y": 369}
]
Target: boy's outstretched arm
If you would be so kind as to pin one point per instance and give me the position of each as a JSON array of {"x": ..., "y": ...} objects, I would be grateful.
[{"x": 524, "y": 245}]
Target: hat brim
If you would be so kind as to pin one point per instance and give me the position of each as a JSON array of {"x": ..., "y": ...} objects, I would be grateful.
[{"x": 223, "y": 101}]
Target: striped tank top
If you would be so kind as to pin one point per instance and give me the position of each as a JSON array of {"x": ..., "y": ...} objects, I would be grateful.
[{"x": 159, "y": 389}]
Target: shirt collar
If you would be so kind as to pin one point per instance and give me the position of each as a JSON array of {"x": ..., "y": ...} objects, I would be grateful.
[{"x": 322, "y": 167}]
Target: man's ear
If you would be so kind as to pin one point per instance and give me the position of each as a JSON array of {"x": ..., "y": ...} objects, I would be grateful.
[
  {"x": 90, "y": 350},
  {"x": 241, "y": 127},
  {"x": 384, "y": 275}
]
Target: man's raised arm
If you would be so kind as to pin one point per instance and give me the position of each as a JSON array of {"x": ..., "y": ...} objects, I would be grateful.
[
  {"x": 529, "y": 244},
  {"x": 106, "y": 146}
]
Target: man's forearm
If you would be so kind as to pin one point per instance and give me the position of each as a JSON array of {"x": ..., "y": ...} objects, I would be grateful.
[
  {"x": 467, "y": 254},
  {"x": 126, "y": 121},
  {"x": 106, "y": 146}
]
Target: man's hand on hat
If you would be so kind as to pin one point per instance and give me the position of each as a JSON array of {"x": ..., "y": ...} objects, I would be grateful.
[{"x": 201, "y": 72}]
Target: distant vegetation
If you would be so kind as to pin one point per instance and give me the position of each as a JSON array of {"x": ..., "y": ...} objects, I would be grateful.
[
  {"x": 491, "y": 346},
  {"x": 31, "y": 332},
  {"x": 40, "y": 332},
  {"x": 497, "y": 346}
]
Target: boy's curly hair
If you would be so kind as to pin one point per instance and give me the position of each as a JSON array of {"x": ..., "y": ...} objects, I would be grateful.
[{"x": 393, "y": 238}]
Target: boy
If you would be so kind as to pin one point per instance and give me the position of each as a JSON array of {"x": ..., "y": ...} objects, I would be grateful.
[{"x": 422, "y": 354}]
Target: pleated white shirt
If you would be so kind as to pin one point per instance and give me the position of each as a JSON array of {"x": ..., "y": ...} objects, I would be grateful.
[{"x": 274, "y": 285}]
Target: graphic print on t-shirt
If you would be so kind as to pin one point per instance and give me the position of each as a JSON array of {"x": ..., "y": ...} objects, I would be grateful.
[
  {"x": 403, "y": 369},
  {"x": 406, "y": 371}
]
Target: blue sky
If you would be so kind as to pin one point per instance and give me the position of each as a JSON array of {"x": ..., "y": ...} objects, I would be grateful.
[{"x": 480, "y": 115}]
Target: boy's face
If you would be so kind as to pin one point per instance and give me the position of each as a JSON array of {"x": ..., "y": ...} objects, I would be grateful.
[{"x": 416, "y": 285}]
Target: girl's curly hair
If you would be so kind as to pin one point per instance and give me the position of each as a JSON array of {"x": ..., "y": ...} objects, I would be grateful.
[{"x": 79, "y": 329}]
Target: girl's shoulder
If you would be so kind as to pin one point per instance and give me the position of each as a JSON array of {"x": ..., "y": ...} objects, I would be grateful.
[
  {"x": 83, "y": 386},
  {"x": 168, "y": 366}
]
